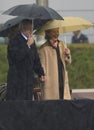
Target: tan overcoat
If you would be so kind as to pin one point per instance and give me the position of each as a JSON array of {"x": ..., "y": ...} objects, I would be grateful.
[{"x": 48, "y": 59}]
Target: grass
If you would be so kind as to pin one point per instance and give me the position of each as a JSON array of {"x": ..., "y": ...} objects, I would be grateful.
[
  {"x": 81, "y": 71},
  {"x": 3, "y": 63}
]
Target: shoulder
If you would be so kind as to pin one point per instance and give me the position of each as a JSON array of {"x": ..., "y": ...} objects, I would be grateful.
[
  {"x": 83, "y": 35},
  {"x": 61, "y": 43},
  {"x": 18, "y": 36},
  {"x": 44, "y": 45},
  {"x": 16, "y": 40}
]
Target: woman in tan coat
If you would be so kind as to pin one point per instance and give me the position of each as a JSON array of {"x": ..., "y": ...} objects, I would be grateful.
[{"x": 54, "y": 56}]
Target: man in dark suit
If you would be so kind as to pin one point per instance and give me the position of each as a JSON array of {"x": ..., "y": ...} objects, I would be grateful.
[
  {"x": 78, "y": 37},
  {"x": 23, "y": 63}
]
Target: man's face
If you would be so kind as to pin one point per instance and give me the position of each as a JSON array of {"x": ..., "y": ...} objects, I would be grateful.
[
  {"x": 76, "y": 33},
  {"x": 28, "y": 30}
]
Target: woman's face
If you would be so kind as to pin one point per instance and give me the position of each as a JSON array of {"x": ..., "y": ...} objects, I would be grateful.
[{"x": 54, "y": 33}]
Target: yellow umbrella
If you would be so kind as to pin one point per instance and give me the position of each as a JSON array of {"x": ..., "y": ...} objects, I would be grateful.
[{"x": 69, "y": 24}]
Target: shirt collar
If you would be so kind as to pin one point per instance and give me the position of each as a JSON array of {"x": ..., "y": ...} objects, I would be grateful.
[
  {"x": 52, "y": 45},
  {"x": 78, "y": 36},
  {"x": 24, "y": 36}
]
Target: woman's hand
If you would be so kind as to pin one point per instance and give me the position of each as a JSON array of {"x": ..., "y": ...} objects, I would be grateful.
[{"x": 67, "y": 51}]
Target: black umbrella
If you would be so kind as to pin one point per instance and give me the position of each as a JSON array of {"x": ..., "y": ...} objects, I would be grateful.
[
  {"x": 8, "y": 25},
  {"x": 12, "y": 24},
  {"x": 33, "y": 11}
]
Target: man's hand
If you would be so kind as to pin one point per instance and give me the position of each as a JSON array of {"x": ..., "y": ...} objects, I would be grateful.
[
  {"x": 67, "y": 51},
  {"x": 30, "y": 40}
]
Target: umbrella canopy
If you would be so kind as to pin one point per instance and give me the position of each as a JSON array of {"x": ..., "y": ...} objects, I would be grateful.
[
  {"x": 13, "y": 23},
  {"x": 69, "y": 24},
  {"x": 5, "y": 28},
  {"x": 34, "y": 11}
]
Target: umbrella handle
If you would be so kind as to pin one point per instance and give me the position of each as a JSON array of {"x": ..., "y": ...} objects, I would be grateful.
[{"x": 65, "y": 42}]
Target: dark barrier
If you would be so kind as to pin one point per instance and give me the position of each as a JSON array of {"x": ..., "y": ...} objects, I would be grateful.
[{"x": 47, "y": 115}]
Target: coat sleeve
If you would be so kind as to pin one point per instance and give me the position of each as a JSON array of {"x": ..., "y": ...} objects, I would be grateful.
[
  {"x": 67, "y": 94},
  {"x": 67, "y": 58}
]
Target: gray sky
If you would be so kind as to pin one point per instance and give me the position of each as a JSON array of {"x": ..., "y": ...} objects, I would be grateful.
[
  {"x": 64, "y": 7},
  {"x": 56, "y": 4}
]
